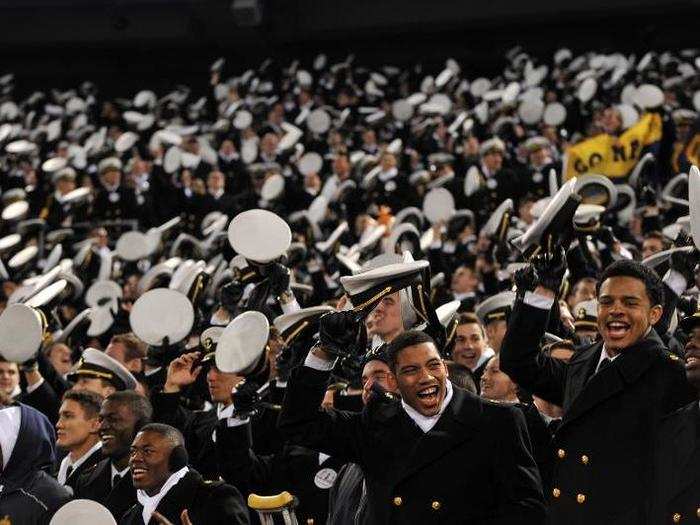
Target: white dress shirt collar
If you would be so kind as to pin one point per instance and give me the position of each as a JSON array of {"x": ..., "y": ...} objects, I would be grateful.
[
  {"x": 150, "y": 503},
  {"x": 426, "y": 423},
  {"x": 66, "y": 462}
]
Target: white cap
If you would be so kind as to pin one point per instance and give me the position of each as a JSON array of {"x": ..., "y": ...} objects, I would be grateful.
[
  {"x": 161, "y": 313},
  {"x": 259, "y": 235}
]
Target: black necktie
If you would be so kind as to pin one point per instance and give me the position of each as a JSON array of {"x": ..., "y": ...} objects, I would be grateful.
[
  {"x": 605, "y": 363},
  {"x": 69, "y": 471},
  {"x": 115, "y": 480}
]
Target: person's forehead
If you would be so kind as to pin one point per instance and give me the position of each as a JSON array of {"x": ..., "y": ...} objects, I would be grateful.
[
  {"x": 623, "y": 286},
  {"x": 70, "y": 405},
  {"x": 116, "y": 408},
  {"x": 469, "y": 329},
  {"x": 8, "y": 366},
  {"x": 153, "y": 439},
  {"x": 375, "y": 366},
  {"x": 418, "y": 352}
]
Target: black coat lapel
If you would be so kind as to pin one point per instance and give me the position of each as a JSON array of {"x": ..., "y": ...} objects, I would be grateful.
[
  {"x": 456, "y": 425},
  {"x": 595, "y": 389},
  {"x": 581, "y": 368}
]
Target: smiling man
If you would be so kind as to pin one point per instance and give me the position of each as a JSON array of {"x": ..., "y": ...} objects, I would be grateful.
[
  {"x": 417, "y": 454},
  {"x": 614, "y": 392},
  {"x": 122, "y": 415},
  {"x": 471, "y": 345},
  {"x": 164, "y": 483}
]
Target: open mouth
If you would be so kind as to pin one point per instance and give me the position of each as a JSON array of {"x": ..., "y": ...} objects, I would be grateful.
[
  {"x": 617, "y": 329},
  {"x": 138, "y": 473},
  {"x": 106, "y": 438},
  {"x": 429, "y": 394}
]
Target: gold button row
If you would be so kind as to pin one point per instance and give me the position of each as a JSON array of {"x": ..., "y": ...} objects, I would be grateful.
[
  {"x": 398, "y": 501},
  {"x": 580, "y": 498}
]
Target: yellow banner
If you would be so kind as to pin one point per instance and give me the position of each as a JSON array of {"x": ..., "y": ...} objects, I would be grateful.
[
  {"x": 611, "y": 156},
  {"x": 692, "y": 150}
]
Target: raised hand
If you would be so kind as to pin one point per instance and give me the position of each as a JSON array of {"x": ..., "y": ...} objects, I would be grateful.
[{"x": 181, "y": 372}]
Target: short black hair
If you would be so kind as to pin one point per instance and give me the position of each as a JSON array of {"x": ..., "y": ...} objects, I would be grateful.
[
  {"x": 636, "y": 270},
  {"x": 89, "y": 401},
  {"x": 461, "y": 376},
  {"x": 404, "y": 340},
  {"x": 139, "y": 405},
  {"x": 170, "y": 433}
]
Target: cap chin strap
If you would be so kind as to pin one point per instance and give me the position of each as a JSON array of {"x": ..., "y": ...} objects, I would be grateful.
[{"x": 409, "y": 318}]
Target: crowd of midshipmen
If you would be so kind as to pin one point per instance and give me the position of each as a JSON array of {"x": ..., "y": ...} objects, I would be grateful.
[{"x": 354, "y": 295}]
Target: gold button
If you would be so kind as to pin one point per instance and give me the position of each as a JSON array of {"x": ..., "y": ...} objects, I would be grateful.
[
  {"x": 584, "y": 459},
  {"x": 398, "y": 501},
  {"x": 698, "y": 512},
  {"x": 580, "y": 498},
  {"x": 561, "y": 453},
  {"x": 676, "y": 518},
  {"x": 556, "y": 492},
  {"x": 436, "y": 505}
]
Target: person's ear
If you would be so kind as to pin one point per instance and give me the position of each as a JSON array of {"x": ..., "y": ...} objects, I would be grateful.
[
  {"x": 95, "y": 425},
  {"x": 447, "y": 370},
  {"x": 655, "y": 314}
]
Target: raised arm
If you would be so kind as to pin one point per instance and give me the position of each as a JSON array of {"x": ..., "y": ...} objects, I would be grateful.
[{"x": 521, "y": 357}]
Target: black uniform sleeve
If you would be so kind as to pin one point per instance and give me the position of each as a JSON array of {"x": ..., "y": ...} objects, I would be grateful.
[
  {"x": 240, "y": 465},
  {"x": 522, "y": 360},
  {"x": 302, "y": 422}
]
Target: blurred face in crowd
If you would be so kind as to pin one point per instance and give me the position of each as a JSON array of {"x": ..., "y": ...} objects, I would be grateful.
[
  {"x": 60, "y": 357},
  {"x": 9, "y": 376},
  {"x": 650, "y": 246},
  {"x": 496, "y": 385},
  {"x": 100, "y": 237},
  {"x": 221, "y": 384},
  {"x": 369, "y": 138},
  {"x": 387, "y": 322},
  {"x": 276, "y": 114},
  {"x": 227, "y": 147},
  {"x": 493, "y": 160},
  {"x": 341, "y": 167},
  {"x": 75, "y": 428},
  {"x": 421, "y": 376},
  {"x": 112, "y": 177},
  {"x": 470, "y": 344},
  {"x": 625, "y": 312},
  {"x": 388, "y": 162},
  {"x": 312, "y": 182},
  {"x": 540, "y": 157},
  {"x": 464, "y": 280},
  {"x": 269, "y": 143},
  {"x": 525, "y": 211},
  {"x": 117, "y": 429},
  {"x": 94, "y": 384},
  {"x": 215, "y": 181},
  {"x": 376, "y": 372},
  {"x": 118, "y": 351},
  {"x": 611, "y": 121},
  {"x": 584, "y": 290},
  {"x": 65, "y": 185},
  {"x": 149, "y": 458},
  {"x": 495, "y": 332},
  {"x": 130, "y": 288},
  {"x": 692, "y": 358}
]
